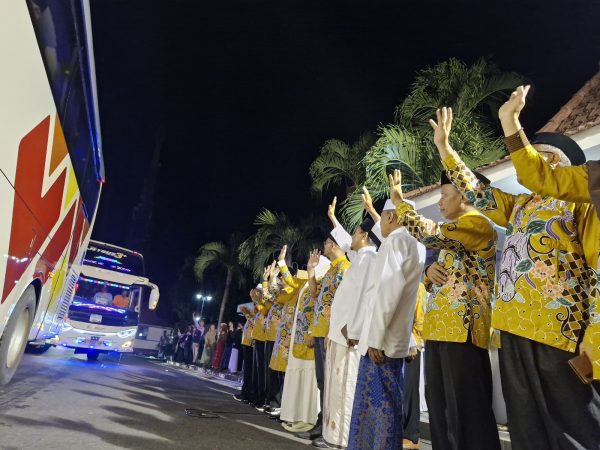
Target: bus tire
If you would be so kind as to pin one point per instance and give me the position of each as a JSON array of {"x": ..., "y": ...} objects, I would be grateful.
[
  {"x": 37, "y": 349},
  {"x": 16, "y": 332},
  {"x": 92, "y": 355}
]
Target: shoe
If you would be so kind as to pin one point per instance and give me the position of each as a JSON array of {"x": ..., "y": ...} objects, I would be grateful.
[
  {"x": 407, "y": 444},
  {"x": 260, "y": 408},
  {"x": 274, "y": 411},
  {"x": 266, "y": 409},
  {"x": 297, "y": 427},
  {"x": 239, "y": 398},
  {"x": 320, "y": 443},
  {"x": 311, "y": 434}
]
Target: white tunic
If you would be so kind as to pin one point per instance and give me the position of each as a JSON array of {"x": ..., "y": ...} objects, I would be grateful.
[
  {"x": 391, "y": 303},
  {"x": 347, "y": 308}
]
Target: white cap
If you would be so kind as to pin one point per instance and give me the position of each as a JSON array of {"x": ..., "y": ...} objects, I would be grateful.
[
  {"x": 389, "y": 206},
  {"x": 322, "y": 267},
  {"x": 259, "y": 287}
]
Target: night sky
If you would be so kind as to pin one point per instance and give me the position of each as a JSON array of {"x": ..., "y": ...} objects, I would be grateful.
[{"x": 245, "y": 93}]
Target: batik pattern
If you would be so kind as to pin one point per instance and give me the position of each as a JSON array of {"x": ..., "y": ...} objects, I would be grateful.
[
  {"x": 329, "y": 285},
  {"x": 377, "y": 416},
  {"x": 463, "y": 304},
  {"x": 303, "y": 321},
  {"x": 543, "y": 286}
]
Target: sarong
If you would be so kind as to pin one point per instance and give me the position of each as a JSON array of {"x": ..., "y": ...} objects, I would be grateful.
[{"x": 377, "y": 417}]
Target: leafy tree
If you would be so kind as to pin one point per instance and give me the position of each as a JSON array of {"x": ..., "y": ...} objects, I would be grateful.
[
  {"x": 225, "y": 256},
  {"x": 274, "y": 231},
  {"x": 474, "y": 92},
  {"x": 339, "y": 164}
]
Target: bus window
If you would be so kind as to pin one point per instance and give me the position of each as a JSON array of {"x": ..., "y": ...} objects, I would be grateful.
[{"x": 60, "y": 32}]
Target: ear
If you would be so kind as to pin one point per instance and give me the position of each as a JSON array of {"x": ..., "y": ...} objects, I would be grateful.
[{"x": 554, "y": 160}]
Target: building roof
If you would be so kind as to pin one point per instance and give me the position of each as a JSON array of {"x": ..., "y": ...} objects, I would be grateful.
[{"x": 581, "y": 112}]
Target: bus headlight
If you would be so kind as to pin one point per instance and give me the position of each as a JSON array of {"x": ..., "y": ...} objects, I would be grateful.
[
  {"x": 127, "y": 333},
  {"x": 126, "y": 344}
]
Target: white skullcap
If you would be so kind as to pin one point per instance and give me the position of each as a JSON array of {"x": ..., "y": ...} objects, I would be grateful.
[
  {"x": 322, "y": 267},
  {"x": 259, "y": 287},
  {"x": 389, "y": 206}
]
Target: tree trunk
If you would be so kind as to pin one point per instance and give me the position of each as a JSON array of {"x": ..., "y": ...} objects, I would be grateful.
[{"x": 225, "y": 296}]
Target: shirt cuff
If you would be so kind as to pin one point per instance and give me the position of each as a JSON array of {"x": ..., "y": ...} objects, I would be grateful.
[{"x": 516, "y": 141}]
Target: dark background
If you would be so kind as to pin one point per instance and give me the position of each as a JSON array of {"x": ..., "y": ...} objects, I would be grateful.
[{"x": 243, "y": 94}]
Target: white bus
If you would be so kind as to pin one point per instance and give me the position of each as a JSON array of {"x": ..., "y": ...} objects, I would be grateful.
[
  {"x": 51, "y": 168},
  {"x": 110, "y": 295}
]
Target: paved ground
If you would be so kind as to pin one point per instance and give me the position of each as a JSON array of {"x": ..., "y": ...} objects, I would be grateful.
[{"x": 60, "y": 401}]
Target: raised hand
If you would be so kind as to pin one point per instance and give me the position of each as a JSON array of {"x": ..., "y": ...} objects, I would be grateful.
[
  {"x": 313, "y": 259},
  {"x": 273, "y": 270},
  {"x": 331, "y": 212},
  {"x": 511, "y": 109},
  {"x": 367, "y": 200},
  {"x": 282, "y": 253},
  {"x": 266, "y": 273},
  {"x": 395, "y": 180},
  {"x": 441, "y": 128}
]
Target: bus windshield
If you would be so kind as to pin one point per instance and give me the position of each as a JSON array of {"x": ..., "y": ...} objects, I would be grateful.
[
  {"x": 112, "y": 258},
  {"x": 92, "y": 291}
]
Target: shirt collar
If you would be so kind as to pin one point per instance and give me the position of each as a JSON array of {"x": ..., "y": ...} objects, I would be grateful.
[
  {"x": 368, "y": 248},
  {"x": 337, "y": 261}
]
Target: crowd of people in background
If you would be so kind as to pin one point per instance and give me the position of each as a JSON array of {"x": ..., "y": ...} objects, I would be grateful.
[{"x": 203, "y": 345}]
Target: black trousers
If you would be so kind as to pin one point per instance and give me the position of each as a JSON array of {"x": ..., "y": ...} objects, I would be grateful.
[
  {"x": 270, "y": 377},
  {"x": 547, "y": 406},
  {"x": 248, "y": 384},
  {"x": 259, "y": 372},
  {"x": 320, "y": 372},
  {"x": 411, "y": 401},
  {"x": 458, "y": 389}
]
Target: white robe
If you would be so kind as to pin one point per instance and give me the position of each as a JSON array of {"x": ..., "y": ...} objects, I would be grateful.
[
  {"x": 341, "y": 364},
  {"x": 391, "y": 303},
  {"x": 300, "y": 399},
  {"x": 347, "y": 308}
]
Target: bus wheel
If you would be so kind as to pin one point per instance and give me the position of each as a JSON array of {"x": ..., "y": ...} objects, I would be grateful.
[
  {"x": 92, "y": 355},
  {"x": 14, "y": 338}
]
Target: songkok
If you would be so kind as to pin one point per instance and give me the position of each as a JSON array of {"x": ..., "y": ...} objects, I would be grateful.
[
  {"x": 389, "y": 206},
  {"x": 367, "y": 226},
  {"x": 482, "y": 178},
  {"x": 564, "y": 143}
]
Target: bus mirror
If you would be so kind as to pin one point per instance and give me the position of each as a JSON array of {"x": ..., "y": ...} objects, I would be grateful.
[{"x": 154, "y": 295}]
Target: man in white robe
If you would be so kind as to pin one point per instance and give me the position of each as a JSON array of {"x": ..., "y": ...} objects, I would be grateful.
[
  {"x": 341, "y": 367},
  {"x": 385, "y": 339}
]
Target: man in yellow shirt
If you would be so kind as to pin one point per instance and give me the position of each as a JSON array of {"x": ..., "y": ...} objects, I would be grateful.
[
  {"x": 542, "y": 304},
  {"x": 579, "y": 184},
  {"x": 456, "y": 328},
  {"x": 323, "y": 294},
  {"x": 259, "y": 335}
]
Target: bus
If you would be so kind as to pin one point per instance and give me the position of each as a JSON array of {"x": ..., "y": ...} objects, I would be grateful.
[
  {"x": 51, "y": 167},
  {"x": 110, "y": 296}
]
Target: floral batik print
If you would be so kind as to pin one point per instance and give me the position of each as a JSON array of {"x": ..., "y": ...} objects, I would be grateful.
[
  {"x": 463, "y": 304},
  {"x": 544, "y": 283}
]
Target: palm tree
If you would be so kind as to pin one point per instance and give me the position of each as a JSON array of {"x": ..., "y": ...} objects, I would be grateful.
[
  {"x": 340, "y": 164},
  {"x": 474, "y": 92},
  {"x": 274, "y": 231},
  {"x": 225, "y": 256}
]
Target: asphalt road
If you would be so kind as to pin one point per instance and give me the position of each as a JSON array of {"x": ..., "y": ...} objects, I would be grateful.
[{"x": 60, "y": 401}]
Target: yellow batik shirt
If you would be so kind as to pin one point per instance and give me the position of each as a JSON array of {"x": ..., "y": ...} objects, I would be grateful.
[
  {"x": 417, "y": 331},
  {"x": 288, "y": 298},
  {"x": 259, "y": 333},
  {"x": 306, "y": 311},
  {"x": 270, "y": 293},
  {"x": 463, "y": 304},
  {"x": 329, "y": 285},
  {"x": 248, "y": 327},
  {"x": 571, "y": 184},
  {"x": 543, "y": 286}
]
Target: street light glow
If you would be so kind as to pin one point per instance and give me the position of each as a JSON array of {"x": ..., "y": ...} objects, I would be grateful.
[
  {"x": 209, "y": 298},
  {"x": 198, "y": 296}
]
